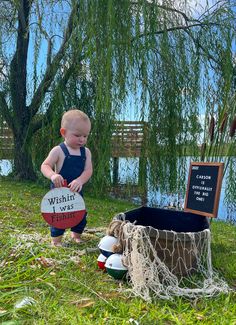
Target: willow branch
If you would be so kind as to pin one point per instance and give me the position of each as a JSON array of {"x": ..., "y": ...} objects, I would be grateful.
[
  {"x": 175, "y": 28},
  {"x": 47, "y": 37},
  {"x": 211, "y": 8},
  {"x": 46, "y": 118},
  {"x": 52, "y": 69},
  {"x": 200, "y": 46},
  {"x": 18, "y": 63},
  {"x": 186, "y": 18},
  {"x": 173, "y": 10}
]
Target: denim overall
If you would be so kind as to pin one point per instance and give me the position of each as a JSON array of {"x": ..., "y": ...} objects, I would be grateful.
[{"x": 73, "y": 167}]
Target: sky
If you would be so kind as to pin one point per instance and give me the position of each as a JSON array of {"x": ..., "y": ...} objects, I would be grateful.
[{"x": 197, "y": 9}]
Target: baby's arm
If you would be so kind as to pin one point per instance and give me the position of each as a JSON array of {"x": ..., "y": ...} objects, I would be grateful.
[
  {"x": 48, "y": 166},
  {"x": 77, "y": 184}
]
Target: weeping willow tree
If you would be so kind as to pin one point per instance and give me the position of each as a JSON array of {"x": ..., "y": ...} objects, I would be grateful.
[{"x": 170, "y": 57}]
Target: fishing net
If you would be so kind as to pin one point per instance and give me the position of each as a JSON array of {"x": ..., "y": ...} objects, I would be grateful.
[{"x": 164, "y": 264}]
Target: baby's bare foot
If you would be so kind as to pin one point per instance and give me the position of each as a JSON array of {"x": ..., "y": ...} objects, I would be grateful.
[
  {"x": 78, "y": 240},
  {"x": 56, "y": 244},
  {"x": 76, "y": 237},
  {"x": 56, "y": 241}
]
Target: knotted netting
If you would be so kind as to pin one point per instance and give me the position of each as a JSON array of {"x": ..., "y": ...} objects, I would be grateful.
[{"x": 164, "y": 264}]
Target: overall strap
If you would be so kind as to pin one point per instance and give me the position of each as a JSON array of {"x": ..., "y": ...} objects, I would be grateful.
[
  {"x": 82, "y": 152},
  {"x": 64, "y": 149}
]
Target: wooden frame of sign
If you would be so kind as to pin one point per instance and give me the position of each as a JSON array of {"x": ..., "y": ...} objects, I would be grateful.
[{"x": 203, "y": 190}]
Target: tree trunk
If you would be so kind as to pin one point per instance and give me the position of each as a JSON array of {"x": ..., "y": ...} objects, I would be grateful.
[{"x": 23, "y": 165}]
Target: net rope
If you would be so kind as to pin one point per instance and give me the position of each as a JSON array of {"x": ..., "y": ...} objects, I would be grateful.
[{"x": 164, "y": 264}]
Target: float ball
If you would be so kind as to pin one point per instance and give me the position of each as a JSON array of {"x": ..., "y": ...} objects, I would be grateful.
[
  {"x": 101, "y": 260},
  {"x": 115, "y": 267},
  {"x": 105, "y": 245}
]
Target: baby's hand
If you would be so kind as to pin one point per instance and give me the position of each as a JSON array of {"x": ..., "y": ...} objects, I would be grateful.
[
  {"x": 75, "y": 185},
  {"x": 57, "y": 180}
]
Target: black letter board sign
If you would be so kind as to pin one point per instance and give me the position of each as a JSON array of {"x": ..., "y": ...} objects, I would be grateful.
[{"x": 203, "y": 191}]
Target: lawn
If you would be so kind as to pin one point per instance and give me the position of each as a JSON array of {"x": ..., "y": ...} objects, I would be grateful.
[{"x": 44, "y": 285}]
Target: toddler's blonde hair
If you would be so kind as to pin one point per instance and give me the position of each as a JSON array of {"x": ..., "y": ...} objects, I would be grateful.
[{"x": 71, "y": 115}]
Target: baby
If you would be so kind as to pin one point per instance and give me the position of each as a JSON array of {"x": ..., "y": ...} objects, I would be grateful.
[{"x": 70, "y": 161}]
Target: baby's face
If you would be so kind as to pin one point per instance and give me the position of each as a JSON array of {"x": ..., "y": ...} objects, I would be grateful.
[{"x": 76, "y": 134}]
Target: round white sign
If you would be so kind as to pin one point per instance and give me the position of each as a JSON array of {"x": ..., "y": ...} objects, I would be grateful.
[{"x": 62, "y": 208}]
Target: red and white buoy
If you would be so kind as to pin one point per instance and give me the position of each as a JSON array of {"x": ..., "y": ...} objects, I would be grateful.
[
  {"x": 105, "y": 245},
  {"x": 101, "y": 262}
]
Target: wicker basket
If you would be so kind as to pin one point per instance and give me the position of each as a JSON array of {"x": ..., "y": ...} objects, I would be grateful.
[{"x": 174, "y": 239}]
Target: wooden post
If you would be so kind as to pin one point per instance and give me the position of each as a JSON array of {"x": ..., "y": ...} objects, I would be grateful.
[
  {"x": 115, "y": 170},
  {"x": 142, "y": 179}
]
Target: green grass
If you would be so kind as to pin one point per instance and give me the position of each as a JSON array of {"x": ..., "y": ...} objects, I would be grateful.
[{"x": 70, "y": 289}]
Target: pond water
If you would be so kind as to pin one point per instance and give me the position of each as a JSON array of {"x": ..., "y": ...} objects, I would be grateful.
[
  {"x": 5, "y": 167},
  {"x": 128, "y": 173}
]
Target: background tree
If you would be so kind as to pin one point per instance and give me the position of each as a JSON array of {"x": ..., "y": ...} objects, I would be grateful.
[{"x": 97, "y": 53}]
